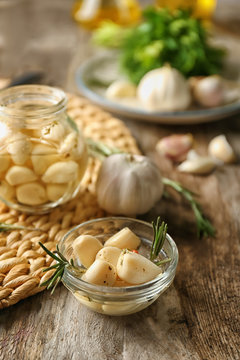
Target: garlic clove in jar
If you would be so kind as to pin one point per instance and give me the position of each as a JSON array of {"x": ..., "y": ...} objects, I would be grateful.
[
  {"x": 164, "y": 89},
  {"x": 109, "y": 254},
  {"x": 71, "y": 146},
  {"x": 199, "y": 165},
  {"x": 124, "y": 239},
  {"x": 20, "y": 174},
  {"x": 128, "y": 184},
  {"x": 56, "y": 191},
  {"x": 85, "y": 249},
  {"x": 42, "y": 157},
  {"x": 4, "y": 162},
  {"x": 54, "y": 131},
  {"x": 208, "y": 91},
  {"x": 135, "y": 268},
  {"x": 120, "y": 89},
  {"x": 61, "y": 172},
  {"x": 19, "y": 148},
  {"x": 31, "y": 194},
  {"x": 100, "y": 273},
  {"x": 6, "y": 191},
  {"x": 220, "y": 149},
  {"x": 175, "y": 146}
]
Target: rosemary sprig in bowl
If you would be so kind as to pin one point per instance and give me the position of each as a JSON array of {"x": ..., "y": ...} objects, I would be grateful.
[
  {"x": 61, "y": 264},
  {"x": 159, "y": 237}
]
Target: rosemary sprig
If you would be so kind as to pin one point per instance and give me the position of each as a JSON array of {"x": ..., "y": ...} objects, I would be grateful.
[
  {"x": 159, "y": 237},
  {"x": 61, "y": 264},
  {"x": 204, "y": 227},
  {"x": 8, "y": 227},
  {"x": 101, "y": 150}
]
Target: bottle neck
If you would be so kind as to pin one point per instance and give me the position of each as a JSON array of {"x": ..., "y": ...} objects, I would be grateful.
[{"x": 31, "y": 106}]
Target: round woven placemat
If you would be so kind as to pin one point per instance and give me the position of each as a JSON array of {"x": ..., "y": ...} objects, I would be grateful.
[{"x": 21, "y": 258}]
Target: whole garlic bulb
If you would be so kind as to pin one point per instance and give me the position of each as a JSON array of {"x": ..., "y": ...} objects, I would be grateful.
[
  {"x": 128, "y": 184},
  {"x": 208, "y": 91},
  {"x": 164, "y": 89}
]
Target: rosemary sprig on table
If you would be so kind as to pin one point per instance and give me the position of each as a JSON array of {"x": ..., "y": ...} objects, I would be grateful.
[
  {"x": 159, "y": 237},
  {"x": 9, "y": 227},
  {"x": 204, "y": 227},
  {"x": 61, "y": 264}
]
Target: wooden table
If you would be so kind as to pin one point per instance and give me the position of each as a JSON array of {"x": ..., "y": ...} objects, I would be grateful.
[{"x": 198, "y": 317}]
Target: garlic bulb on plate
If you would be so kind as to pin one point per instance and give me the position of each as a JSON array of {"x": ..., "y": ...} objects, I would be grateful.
[
  {"x": 208, "y": 91},
  {"x": 164, "y": 89},
  {"x": 128, "y": 184}
]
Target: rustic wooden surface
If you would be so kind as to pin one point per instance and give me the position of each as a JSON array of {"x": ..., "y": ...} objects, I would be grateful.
[{"x": 198, "y": 317}]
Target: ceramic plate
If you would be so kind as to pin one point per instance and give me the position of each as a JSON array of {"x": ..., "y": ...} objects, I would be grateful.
[{"x": 94, "y": 75}]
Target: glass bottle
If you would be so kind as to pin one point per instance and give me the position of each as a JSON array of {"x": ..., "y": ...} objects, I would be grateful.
[
  {"x": 43, "y": 156},
  {"x": 90, "y": 13},
  {"x": 201, "y": 8}
]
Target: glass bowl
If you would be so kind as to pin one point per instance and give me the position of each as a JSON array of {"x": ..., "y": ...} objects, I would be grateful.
[{"x": 118, "y": 300}]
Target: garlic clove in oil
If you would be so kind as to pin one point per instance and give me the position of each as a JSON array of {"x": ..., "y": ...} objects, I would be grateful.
[
  {"x": 220, "y": 149},
  {"x": 175, "y": 146}
]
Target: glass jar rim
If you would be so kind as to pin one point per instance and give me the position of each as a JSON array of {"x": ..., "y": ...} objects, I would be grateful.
[
  {"x": 128, "y": 291},
  {"x": 56, "y": 97}
]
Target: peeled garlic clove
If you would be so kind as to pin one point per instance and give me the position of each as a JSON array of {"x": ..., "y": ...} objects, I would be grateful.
[
  {"x": 121, "y": 283},
  {"x": 209, "y": 91},
  {"x": 72, "y": 146},
  {"x": 100, "y": 273},
  {"x": 124, "y": 239},
  {"x": 88, "y": 302},
  {"x": 85, "y": 249},
  {"x": 164, "y": 89},
  {"x": 55, "y": 131},
  {"x": 4, "y": 162},
  {"x": 109, "y": 254},
  {"x": 56, "y": 191},
  {"x": 175, "y": 146},
  {"x": 31, "y": 194},
  {"x": 6, "y": 191},
  {"x": 19, "y": 148},
  {"x": 42, "y": 157},
  {"x": 19, "y": 175},
  {"x": 192, "y": 155},
  {"x": 219, "y": 148},
  {"x": 135, "y": 268},
  {"x": 61, "y": 172},
  {"x": 121, "y": 89},
  {"x": 200, "y": 165}
]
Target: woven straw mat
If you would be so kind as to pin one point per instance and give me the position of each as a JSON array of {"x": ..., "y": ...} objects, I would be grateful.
[{"x": 21, "y": 258}]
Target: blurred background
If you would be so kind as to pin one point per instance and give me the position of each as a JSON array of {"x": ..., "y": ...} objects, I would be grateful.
[{"x": 52, "y": 36}]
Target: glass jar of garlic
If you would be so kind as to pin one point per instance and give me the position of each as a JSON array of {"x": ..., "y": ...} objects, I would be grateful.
[{"x": 43, "y": 156}]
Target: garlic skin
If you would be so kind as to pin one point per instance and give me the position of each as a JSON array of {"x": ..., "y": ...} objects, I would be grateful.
[
  {"x": 128, "y": 184},
  {"x": 175, "y": 147},
  {"x": 199, "y": 165},
  {"x": 208, "y": 91},
  {"x": 120, "y": 89},
  {"x": 220, "y": 149},
  {"x": 164, "y": 89}
]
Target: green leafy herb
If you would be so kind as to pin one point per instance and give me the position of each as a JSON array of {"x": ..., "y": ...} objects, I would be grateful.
[
  {"x": 163, "y": 37},
  {"x": 204, "y": 227},
  {"x": 159, "y": 237},
  {"x": 61, "y": 264}
]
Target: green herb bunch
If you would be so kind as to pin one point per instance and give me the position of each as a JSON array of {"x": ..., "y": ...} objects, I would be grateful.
[{"x": 164, "y": 37}]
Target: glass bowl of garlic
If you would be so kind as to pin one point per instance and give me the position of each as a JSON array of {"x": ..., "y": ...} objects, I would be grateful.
[
  {"x": 43, "y": 155},
  {"x": 111, "y": 272}
]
